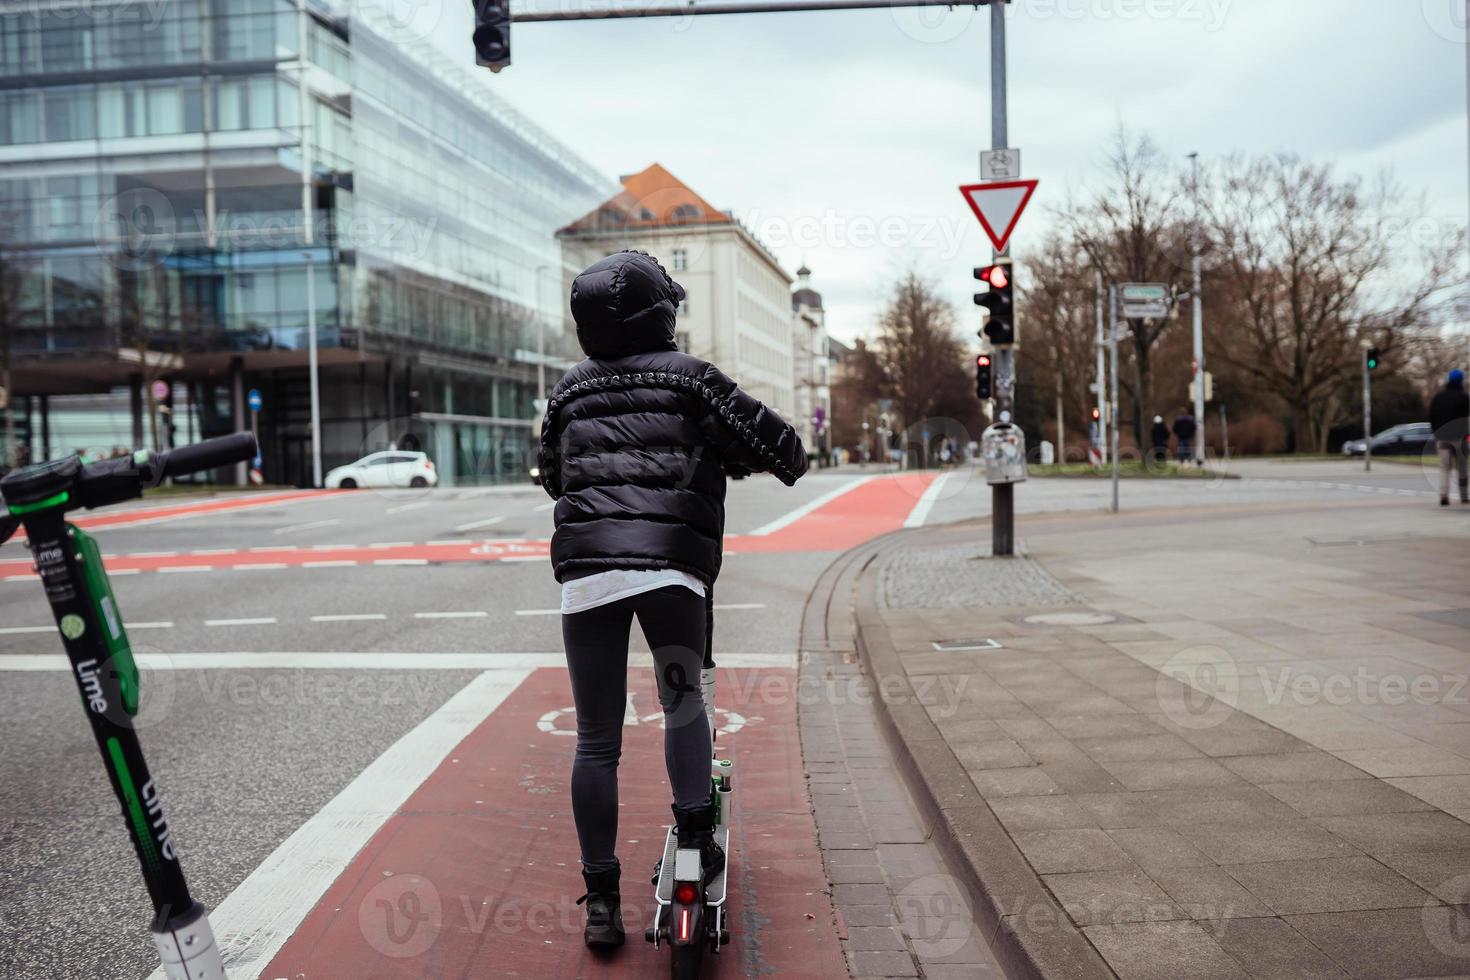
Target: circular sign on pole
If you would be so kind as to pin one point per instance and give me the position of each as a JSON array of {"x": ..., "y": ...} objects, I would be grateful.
[
  {"x": 160, "y": 390},
  {"x": 253, "y": 399}
]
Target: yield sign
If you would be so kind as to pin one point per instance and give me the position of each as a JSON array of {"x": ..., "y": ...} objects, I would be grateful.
[{"x": 998, "y": 205}]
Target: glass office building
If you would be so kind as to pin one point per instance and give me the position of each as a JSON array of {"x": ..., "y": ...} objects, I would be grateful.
[{"x": 182, "y": 196}]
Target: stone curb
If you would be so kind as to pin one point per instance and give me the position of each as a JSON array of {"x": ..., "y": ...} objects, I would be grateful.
[{"x": 1030, "y": 933}]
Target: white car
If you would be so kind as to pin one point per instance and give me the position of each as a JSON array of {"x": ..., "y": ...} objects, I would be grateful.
[{"x": 391, "y": 468}]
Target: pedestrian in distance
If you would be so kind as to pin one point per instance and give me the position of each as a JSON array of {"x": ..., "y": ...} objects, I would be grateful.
[
  {"x": 1159, "y": 437},
  {"x": 635, "y": 447},
  {"x": 1184, "y": 430},
  {"x": 1449, "y": 417}
]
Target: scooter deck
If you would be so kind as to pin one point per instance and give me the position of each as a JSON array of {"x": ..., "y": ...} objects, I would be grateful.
[{"x": 714, "y": 894}]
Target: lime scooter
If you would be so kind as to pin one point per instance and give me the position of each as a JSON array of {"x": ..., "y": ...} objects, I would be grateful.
[
  {"x": 70, "y": 567},
  {"x": 690, "y": 916}
]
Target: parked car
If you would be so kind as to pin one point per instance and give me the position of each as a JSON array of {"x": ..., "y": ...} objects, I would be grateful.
[
  {"x": 391, "y": 468},
  {"x": 1409, "y": 439}
]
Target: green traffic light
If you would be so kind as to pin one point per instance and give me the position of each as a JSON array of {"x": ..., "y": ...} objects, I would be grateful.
[{"x": 1372, "y": 358}]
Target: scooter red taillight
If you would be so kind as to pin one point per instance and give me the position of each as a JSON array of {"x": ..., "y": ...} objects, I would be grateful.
[
  {"x": 685, "y": 893},
  {"x": 685, "y": 924}
]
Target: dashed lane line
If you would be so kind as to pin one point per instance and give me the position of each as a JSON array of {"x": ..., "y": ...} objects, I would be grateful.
[
  {"x": 291, "y": 528},
  {"x": 333, "y": 563},
  {"x": 258, "y": 566},
  {"x": 180, "y": 569},
  {"x": 400, "y": 561},
  {"x": 357, "y": 661},
  {"x": 476, "y": 525},
  {"x": 400, "y": 508},
  {"x": 462, "y": 614},
  {"x": 257, "y": 621},
  {"x": 348, "y": 617}
]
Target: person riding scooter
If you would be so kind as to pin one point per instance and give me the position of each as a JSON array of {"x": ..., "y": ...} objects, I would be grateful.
[{"x": 635, "y": 447}]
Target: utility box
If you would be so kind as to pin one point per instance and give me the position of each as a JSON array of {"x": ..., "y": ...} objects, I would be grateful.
[{"x": 1003, "y": 447}]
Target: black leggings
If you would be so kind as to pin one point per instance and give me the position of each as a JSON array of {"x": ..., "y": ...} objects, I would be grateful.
[{"x": 674, "y": 621}]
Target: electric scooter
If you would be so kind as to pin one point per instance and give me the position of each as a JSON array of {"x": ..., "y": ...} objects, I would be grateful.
[
  {"x": 688, "y": 915},
  {"x": 69, "y": 564}
]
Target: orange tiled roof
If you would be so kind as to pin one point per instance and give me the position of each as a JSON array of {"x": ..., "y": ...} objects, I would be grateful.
[{"x": 651, "y": 198}]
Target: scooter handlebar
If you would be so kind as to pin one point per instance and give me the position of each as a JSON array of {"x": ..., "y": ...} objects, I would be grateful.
[{"x": 209, "y": 454}]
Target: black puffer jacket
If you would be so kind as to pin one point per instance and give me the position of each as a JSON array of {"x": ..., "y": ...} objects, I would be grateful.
[
  {"x": 1449, "y": 413},
  {"x": 638, "y": 438}
]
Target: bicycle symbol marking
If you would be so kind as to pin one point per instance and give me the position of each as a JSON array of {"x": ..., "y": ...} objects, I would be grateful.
[{"x": 563, "y": 721}]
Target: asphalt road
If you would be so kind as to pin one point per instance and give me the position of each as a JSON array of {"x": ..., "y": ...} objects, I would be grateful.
[
  {"x": 247, "y": 746},
  {"x": 245, "y": 754}
]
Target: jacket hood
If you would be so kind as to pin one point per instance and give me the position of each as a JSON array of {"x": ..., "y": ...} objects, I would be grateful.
[{"x": 625, "y": 304}]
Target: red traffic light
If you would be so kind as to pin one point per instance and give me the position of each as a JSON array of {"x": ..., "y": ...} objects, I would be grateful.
[
  {"x": 993, "y": 275},
  {"x": 982, "y": 360},
  {"x": 1096, "y": 414}
]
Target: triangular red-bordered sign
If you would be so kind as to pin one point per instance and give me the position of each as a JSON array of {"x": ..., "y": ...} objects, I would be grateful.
[{"x": 998, "y": 205}]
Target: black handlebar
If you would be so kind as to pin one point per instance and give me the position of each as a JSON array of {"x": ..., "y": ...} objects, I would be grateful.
[{"x": 237, "y": 447}]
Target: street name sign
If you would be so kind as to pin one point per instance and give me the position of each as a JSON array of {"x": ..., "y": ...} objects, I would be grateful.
[
  {"x": 253, "y": 400},
  {"x": 1144, "y": 300},
  {"x": 998, "y": 205}
]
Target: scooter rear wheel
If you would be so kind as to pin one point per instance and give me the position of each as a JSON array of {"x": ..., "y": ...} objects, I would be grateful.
[{"x": 686, "y": 960}]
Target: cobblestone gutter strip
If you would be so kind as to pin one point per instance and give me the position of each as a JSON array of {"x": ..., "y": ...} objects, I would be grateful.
[
  {"x": 1030, "y": 932},
  {"x": 964, "y": 576}
]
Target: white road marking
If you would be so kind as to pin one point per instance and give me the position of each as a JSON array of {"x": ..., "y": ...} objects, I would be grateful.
[
  {"x": 400, "y": 561},
  {"x": 16, "y": 630},
  {"x": 403, "y": 507},
  {"x": 216, "y": 551},
  {"x": 258, "y": 566},
  {"x": 277, "y": 660},
  {"x": 307, "y": 526},
  {"x": 347, "y": 617},
  {"x": 931, "y": 493},
  {"x": 153, "y": 554},
  {"x": 445, "y": 541},
  {"x": 391, "y": 544},
  {"x": 258, "y": 621},
  {"x": 257, "y": 918},
  {"x": 465, "y": 614},
  {"x": 718, "y": 607},
  {"x": 179, "y": 569},
  {"x": 543, "y": 507},
  {"x": 28, "y": 577},
  {"x": 527, "y": 558},
  {"x": 161, "y": 625},
  {"x": 786, "y": 520},
  {"x": 475, "y": 525},
  {"x": 275, "y": 547},
  {"x": 336, "y": 563},
  {"x": 125, "y": 571}
]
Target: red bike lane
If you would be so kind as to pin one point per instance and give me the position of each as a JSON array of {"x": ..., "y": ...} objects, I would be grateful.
[{"x": 477, "y": 875}]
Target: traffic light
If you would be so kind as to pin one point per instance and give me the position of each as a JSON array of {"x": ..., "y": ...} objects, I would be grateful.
[
  {"x": 1000, "y": 323},
  {"x": 492, "y": 33},
  {"x": 1372, "y": 358},
  {"x": 1096, "y": 414},
  {"x": 983, "y": 386}
]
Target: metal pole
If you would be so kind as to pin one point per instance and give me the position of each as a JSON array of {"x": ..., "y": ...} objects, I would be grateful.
[
  {"x": 311, "y": 370},
  {"x": 1002, "y": 495},
  {"x": 1102, "y": 395},
  {"x": 308, "y": 238},
  {"x": 1367, "y": 415},
  {"x": 1199, "y": 335},
  {"x": 540, "y": 342},
  {"x": 708, "y": 9},
  {"x": 1113, "y": 388}
]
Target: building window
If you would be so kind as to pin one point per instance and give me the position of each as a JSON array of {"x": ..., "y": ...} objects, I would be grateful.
[
  {"x": 681, "y": 260},
  {"x": 681, "y": 340},
  {"x": 686, "y": 212},
  {"x": 684, "y": 308}
]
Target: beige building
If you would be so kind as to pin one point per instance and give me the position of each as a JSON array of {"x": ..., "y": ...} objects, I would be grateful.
[
  {"x": 739, "y": 308},
  {"x": 812, "y": 361}
]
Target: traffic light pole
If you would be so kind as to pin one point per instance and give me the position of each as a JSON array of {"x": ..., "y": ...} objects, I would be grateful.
[
  {"x": 1367, "y": 415},
  {"x": 1113, "y": 385},
  {"x": 1198, "y": 306},
  {"x": 1002, "y": 495}
]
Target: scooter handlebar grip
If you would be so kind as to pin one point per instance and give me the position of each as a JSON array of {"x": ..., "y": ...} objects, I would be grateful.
[{"x": 235, "y": 448}]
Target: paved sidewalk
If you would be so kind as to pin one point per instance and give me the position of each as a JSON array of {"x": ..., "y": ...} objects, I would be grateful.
[{"x": 1238, "y": 746}]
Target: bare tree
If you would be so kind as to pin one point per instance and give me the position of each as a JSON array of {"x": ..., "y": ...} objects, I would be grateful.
[
  {"x": 921, "y": 357},
  {"x": 1059, "y": 325},
  {"x": 1132, "y": 229},
  {"x": 1310, "y": 267}
]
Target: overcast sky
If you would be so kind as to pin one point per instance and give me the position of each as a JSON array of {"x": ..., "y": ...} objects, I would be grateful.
[{"x": 841, "y": 137}]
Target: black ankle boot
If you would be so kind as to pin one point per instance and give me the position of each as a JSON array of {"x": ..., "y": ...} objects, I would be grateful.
[
  {"x": 696, "y": 828},
  {"x": 604, "y": 909}
]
